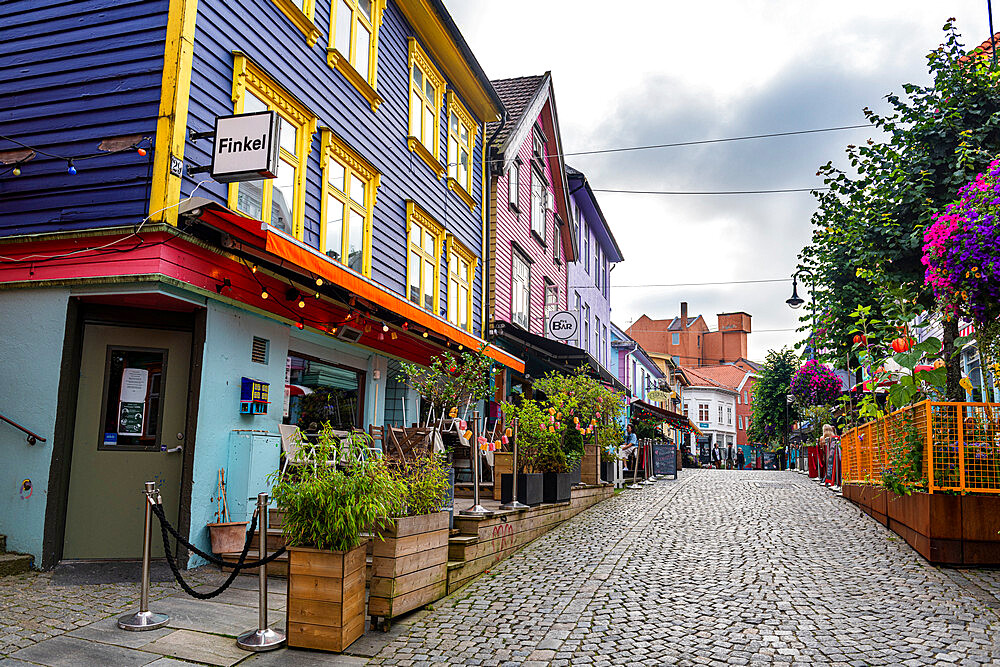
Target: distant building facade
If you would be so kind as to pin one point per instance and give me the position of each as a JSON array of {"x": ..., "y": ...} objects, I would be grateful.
[{"x": 688, "y": 340}]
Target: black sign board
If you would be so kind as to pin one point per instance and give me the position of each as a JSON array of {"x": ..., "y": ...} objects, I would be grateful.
[
  {"x": 665, "y": 459},
  {"x": 769, "y": 460}
]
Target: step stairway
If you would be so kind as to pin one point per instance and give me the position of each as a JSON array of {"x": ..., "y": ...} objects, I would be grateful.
[{"x": 12, "y": 563}]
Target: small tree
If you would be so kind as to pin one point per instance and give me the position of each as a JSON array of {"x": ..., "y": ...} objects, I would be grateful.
[
  {"x": 768, "y": 425},
  {"x": 452, "y": 383}
]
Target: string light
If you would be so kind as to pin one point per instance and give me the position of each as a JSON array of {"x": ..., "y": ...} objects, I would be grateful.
[
  {"x": 385, "y": 327},
  {"x": 264, "y": 294},
  {"x": 319, "y": 283},
  {"x": 70, "y": 169},
  {"x": 424, "y": 334},
  {"x": 393, "y": 335},
  {"x": 406, "y": 326},
  {"x": 300, "y": 324},
  {"x": 316, "y": 295},
  {"x": 302, "y": 303},
  {"x": 253, "y": 268},
  {"x": 141, "y": 152},
  {"x": 17, "y": 171}
]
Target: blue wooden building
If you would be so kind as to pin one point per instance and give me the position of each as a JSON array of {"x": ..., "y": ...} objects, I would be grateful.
[{"x": 138, "y": 293}]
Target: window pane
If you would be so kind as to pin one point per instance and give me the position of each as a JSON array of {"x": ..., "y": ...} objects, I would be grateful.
[
  {"x": 463, "y": 167},
  {"x": 452, "y": 157},
  {"x": 250, "y": 199},
  {"x": 453, "y": 302},
  {"x": 343, "y": 38},
  {"x": 415, "y": 233},
  {"x": 418, "y": 79},
  {"x": 414, "y": 269},
  {"x": 463, "y": 268},
  {"x": 253, "y": 104},
  {"x": 362, "y": 49},
  {"x": 355, "y": 240},
  {"x": 357, "y": 190},
  {"x": 335, "y": 174},
  {"x": 282, "y": 197},
  {"x": 427, "y": 137},
  {"x": 428, "y": 285},
  {"x": 463, "y": 307},
  {"x": 429, "y": 243},
  {"x": 453, "y": 264},
  {"x": 415, "y": 110},
  {"x": 429, "y": 92},
  {"x": 454, "y": 122},
  {"x": 334, "y": 228},
  {"x": 464, "y": 134},
  {"x": 287, "y": 133},
  {"x": 366, "y": 7}
]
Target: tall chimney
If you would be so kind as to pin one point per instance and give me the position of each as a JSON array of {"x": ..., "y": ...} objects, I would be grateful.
[{"x": 684, "y": 315}]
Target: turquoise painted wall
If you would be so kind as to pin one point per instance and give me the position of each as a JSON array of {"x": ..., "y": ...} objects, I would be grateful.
[
  {"x": 32, "y": 326},
  {"x": 229, "y": 335}
]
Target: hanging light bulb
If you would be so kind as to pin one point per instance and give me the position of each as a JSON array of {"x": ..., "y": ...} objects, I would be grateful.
[
  {"x": 70, "y": 169},
  {"x": 17, "y": 171},
  {"x": 319, "y": 282},
  {"x": 300, "y": 324},
  {"x": 316, "y": 295},
  {"x": 141, "y": 152},
  {"x": 406, "y": 325},
  {"x": 253, "y": 268},
  {"x": 385, "y": 327},
  {"x": 264, "y": 294},
  {"x": 461, "y": 347},
  {"x": 424, "y": 334},
  {"x": 302, "y": 303}
]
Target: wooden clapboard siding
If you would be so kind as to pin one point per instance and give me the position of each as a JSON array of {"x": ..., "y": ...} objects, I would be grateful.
[
  {"x": 73, "y": 73},
  {"x": 509, "y": 228},
  {"x": 258, "y": 29},
  {"x": 326, "y": 597},
  {"x": 410, "y": 567}
]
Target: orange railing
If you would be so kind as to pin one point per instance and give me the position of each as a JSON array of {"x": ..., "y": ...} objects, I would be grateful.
[{"x": 963, "y": 440}]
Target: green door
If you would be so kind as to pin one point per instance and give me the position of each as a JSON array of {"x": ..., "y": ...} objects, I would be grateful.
[{"x": 130, "y": 424}]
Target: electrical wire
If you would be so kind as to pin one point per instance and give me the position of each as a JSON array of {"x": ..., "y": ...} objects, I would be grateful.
[
  {"x": 709, "y": 192},
  {"x": 721, "y": 282}
]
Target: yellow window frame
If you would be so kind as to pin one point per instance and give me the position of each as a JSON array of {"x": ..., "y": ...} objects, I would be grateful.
[
  {"x": 247, "y": 76},
  {"x": 455, "y": 248},
  {"x": 334, "y": 149},
  {"x": 301, "y": 17},
  {"x": 419, "y": 59},
  {"x": 416, "y": 215},
  {"x": 463, "y": 190},
  {"x": 364, "y": 82}
]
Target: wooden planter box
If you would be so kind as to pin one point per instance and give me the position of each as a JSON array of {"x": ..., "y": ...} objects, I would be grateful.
[
  {"x": 608, "y": 471},
  {"x": 326, "y": 597},
  {"x": 503, "y": 464},
  {"x": 410, "y": 567},
  {"x": 556, "y": 487},
  {"x": 529, "y": 488}
]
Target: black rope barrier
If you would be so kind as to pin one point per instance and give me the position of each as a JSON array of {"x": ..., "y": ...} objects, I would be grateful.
[{"x": 167, "y": 530}]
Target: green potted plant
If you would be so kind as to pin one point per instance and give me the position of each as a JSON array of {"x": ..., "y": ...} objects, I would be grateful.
[
  {"x": 410, "y": 562},
  {"x": 536, "y": 442},
  {"x": 326, "y": 504}
]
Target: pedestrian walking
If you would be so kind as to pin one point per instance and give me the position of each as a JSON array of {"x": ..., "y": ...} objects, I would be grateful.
[
  {"x": 740, "y": 458},
  {"x": 716, "y": 457}
]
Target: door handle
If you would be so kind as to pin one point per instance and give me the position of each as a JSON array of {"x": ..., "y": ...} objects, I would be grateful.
[{"x": 175, "y": 450}]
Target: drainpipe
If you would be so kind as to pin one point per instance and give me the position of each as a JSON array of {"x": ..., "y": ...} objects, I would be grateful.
[{"x": 488, "y": 146}]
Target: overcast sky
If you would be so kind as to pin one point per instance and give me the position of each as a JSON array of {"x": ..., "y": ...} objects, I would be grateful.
[{"x": 666, "y": 71}]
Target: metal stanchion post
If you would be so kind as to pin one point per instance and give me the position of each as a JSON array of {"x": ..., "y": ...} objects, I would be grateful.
[
  {"x": 597, "y": 458},
  {"x": 650, "y": 478},
  {"x": 514, "y": 504},
  {"x": 145, "y": 619},
  {"x": 475, "y": 453},
  {"x": 635, "y": 468},
  {"x": 263, "y": 638}
]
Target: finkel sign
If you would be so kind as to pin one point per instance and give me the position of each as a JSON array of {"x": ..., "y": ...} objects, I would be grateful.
[{"x": 245, "y": 147}]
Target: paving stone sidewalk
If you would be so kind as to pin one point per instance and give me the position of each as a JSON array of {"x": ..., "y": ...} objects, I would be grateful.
[{"x": 720, "y": 568}]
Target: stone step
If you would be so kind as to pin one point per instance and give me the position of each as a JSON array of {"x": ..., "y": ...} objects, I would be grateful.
[{"x": 14, "y": 563}]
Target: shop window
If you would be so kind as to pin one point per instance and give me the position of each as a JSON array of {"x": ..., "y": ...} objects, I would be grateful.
[
  {"x": 426, "y": 91},
  {"x": 349, "y": 188},
  {"x": 462, "y": 131},
  {"x": 318, "y": 392},
  {"x": 280, "y": 201},
  {"x": 423, "y": 253},
  {"x": 353, "y": 49},
  {"x": 461, "y": 270},
  {"x": 133, "y": 406}
]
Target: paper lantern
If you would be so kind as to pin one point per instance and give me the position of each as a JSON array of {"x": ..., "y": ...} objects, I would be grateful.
[
  {"x": 504, "y": 440},
  {"x": 468, "y": 435}
]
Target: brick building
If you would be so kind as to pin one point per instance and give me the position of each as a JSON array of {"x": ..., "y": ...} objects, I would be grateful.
[{"x": 689, "y": 341}]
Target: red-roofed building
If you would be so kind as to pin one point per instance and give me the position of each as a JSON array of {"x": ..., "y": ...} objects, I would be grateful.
[
  {"x": 724, "y": 394},
  {"x": 689, "y": 341}
]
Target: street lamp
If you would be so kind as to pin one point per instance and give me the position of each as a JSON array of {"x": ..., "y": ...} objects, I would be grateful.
[{"x": 795, "y": 302}]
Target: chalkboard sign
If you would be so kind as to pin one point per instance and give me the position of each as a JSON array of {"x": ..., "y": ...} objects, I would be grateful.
[
  {"x": 665, "y": 458},
  {"x": 770, "y": 460}
]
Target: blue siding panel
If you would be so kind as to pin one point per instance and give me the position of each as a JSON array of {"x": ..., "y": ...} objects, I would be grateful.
[{"x": 73, "y": 73}]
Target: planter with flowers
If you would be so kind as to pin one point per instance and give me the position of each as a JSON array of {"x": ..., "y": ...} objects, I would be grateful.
[{"x": 815, "y": 384}]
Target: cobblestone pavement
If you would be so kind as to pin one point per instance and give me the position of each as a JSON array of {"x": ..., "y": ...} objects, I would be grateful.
[
  {"x": 720, "y": 568},
  {"x": 33, "y": 609}
]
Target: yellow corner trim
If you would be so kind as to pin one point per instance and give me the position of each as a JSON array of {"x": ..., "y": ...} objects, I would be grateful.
[
  {"x": 418, "y": 147},
  {"x": 302, "y": 20},
  {"x": 171, "y": 123},
  {"x": 458, "y": 189},
  {"x": 339, "y": 62}
]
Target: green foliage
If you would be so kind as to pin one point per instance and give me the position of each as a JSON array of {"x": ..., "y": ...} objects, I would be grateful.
[
  {"x": 536, "y": 436},
  {"x": 451, "y": 381},
  {"x": 817, "y": 416},
  {"x": 868, "y": 229},
  {"x": 326, "y": 506},
  {"x": 767, "y": 425},
  {"x": 423, "y": 484},
  {"x": 647, "y": 428},
  {"x": 904, "y": 474}
]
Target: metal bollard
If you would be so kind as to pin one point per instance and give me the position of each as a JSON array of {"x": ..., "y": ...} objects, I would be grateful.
[
  {"x": 514, "y": 504},
  {"x": 145, "y": 619},
  {"x": 650, "y": 476},
  {"x": 263, "y": 638},
  {"x": 474, "y": 454}
]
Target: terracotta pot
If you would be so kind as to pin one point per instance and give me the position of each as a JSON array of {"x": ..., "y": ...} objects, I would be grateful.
[{"x": 228, "y": 537}]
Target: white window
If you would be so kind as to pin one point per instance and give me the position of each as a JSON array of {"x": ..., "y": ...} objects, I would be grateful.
[
  {"x": 604, "y": 345},
  {"x": 675, "y": 338},
  {"x": 519, "y": 292},
  {"x": 551, "y": 298},
  {"x": 538, "y": 190},
  {"x": 739, "y": 422},
  {"x": 703, "y": 412},
  {"x": 514, "y": 185},
  {"x": 729, "y": 416},
  {"x": 586, "y": 327},
  {"x": 607, "y": 277},
  {"x": 685, "y": 409},
  {"x": 597, "y": 337},
  {"x": 597, "y": 264},
  {"x": 586, "y": 250},
  {"x": 720, "y": 413}
]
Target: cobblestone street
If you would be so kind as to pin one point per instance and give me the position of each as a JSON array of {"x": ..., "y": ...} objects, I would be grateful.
[{"x": 719, "y": 568}]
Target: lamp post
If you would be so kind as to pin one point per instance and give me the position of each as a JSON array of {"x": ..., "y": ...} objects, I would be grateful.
[{"x": 795, "y": 302}]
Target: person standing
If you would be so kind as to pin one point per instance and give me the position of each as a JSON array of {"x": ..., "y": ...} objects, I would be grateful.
[
  {"x": 629, "y": 446},
  {"x": 740, "y": 459},
  {"x": 716, "y": 456}
]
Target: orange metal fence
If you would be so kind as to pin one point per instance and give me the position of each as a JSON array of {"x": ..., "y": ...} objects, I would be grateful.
[{"x": 963, "y": 440}]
